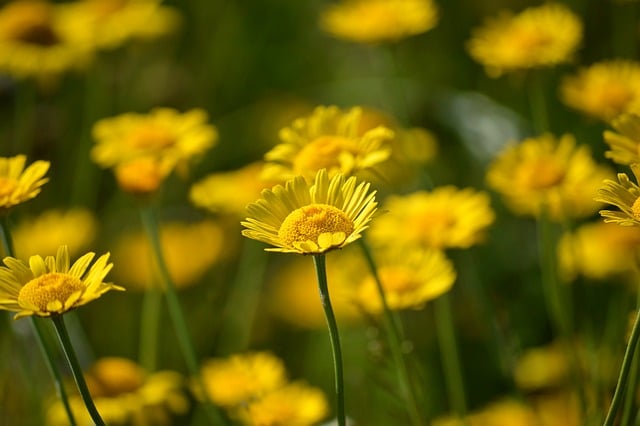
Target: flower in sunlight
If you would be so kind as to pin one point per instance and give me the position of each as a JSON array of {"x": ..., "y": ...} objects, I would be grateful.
[
  {"x": 410, "y": 277},
  {"x": 447, "y": 217},
  {"x": 35, "y": 42},
  {"x": 190, "y": 250},
  {"x": 539, "y": 36},
  {"x": 329, "y": 138},
  {"x": 124, "y": 393},
  {"x": 375, "y": 21},
  {"x": 603, "y": 90},
  {"x": 599, "y": 251},
  {"x": 19, "y": 184},
  {"x": 305, "y": 218},
  {"x": 292, "y": 404},
  {"x": 541, "y": 368},
  {"x": 624, "y": 144},
  {"x": 52, "y": 286},
  {"x": 53, "y": 228},
  {"x": 623, "y": 194},
  {"x": 548, "y": 174},
  {"x": 242, "y": 378}
]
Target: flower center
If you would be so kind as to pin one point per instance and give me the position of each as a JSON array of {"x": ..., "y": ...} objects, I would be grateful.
[
  {"x": 308, "y": 222},
  {"x": 432, "y": 227},
  {"x": 30, "y": 22},
  {"x": 324, "y": 152},
  {"x": 635, "y": 209},
  {"x": 7, "y": 186},
  {"x": 150, "y": 136},
  {"x": 140, "y": 176},
  {"x": 47, "y": 288},
  {"x": 397, "y": 280},
  {"x": 542, "y": 174}
]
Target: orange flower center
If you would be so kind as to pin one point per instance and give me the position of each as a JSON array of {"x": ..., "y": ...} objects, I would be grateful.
[
  {"x": 7, "y": 186},
  {"x": 542, "y": 174},
  {"x": 308, "y": 222},
  {"x": 47, "y": 288},
  {"x": 152, "y": 136},
  {"x": 325, "y": 152},
  {"x": 29, "y": 22},
  {"x": 139, "y": 176}
]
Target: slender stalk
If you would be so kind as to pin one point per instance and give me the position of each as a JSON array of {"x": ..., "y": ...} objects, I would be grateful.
[
  {"x": 149, "y": 328},
  {"x": 395, "y": 340},
  {"x": 321, "y": 274},
  {"x": 175, "y": 310},
  {"x": 629, "y": 403},
  {"x": 63, "y": 336}
]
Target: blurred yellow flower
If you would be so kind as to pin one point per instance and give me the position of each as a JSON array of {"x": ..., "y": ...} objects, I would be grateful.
[
  {"x": 548, "y": 173},
  {"x": 599, "y": 251},
  {"x": 541, "y": 368},
  {"x": 52, "y": 286},
  {"x": 410, "y": 278},
  {"x": 19, "y": 184},
  {"x": 375, "y": 21},
  {"x": 558, "y": 409},
  {"x": 44, "y": 233},
  {"x": 505, "y": 412},
  {"x": 292, "y": 404},
  {"x": 108, "y": 24},
  {"x": 624, "y": 146},
  {"x": 539, "y": 36},
  {"x": 125, "y": 394},
  {"x": 603, "y": 90},
  {"x": 190, "y": 250},
  {"x": 623, "y": 194},
  {"x": 329, "y": 139},
  {"x": 142, "y": 175},
  {"x": 35, "y": 43},
  {"x": 446, "y": 217},
  {"x": 313, "y": 218},
  {"x": 242, "y": 378}
]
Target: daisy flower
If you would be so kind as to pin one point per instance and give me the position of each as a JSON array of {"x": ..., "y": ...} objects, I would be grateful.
[
  {"x": 624, "y": 146},
  {"x": 19, "y": 184},
  {"x": 623, "y": 194}
]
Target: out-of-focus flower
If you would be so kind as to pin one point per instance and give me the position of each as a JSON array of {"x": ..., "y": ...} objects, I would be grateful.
[
  {"x": 125, "y": 394},
  {"x": 540, "y": 36},
  {"x": 409, "y": 277},
  {"x": 549, "y": 174},
  {"x": 44, "y": 233},
  {"x": 599, "y": 251},
  {"x": 35, "y": 42},
  {"x": 190, "y": 250},
  {"x": 19, "y": 184},
  {"x": 623, "y": 194},
  {"x": 108, "y": 24},
  {"x": 558, "y": 409},
  {"x": 241, "y": 378},
  {"x": 375, "y": 21},
  {"x": 329, "y": 139},
  {"x": 52, "y": 286},
  {"x": 624, "y": 146},
  {"x": 446, "y": 217},
  {"x": 313, "y": 218},
  {"x": 541, "y": 368},
  {"x": 603, "y": 90},
  {"x": 504, "y": 412}
]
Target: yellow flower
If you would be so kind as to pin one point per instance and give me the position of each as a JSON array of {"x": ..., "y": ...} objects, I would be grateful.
[
  {"x": 537, "y": 37},
  {"x": 108, "y": 24},
  {"x": 126, "y": 394},
  {"x": 410, "y": 278},
  {"x": 241, "y": 378},
  {"x": 52, "y": 286},
  {"x": 443, "y": 218},
  {"x": 293, "y": 404},
  {"x": 599, "y": 251},
  {"x": 311, "y": 219},
  {"x": 624, "y": 145},
  {"x": 603, "y": 90},
  {"x": 49, "y": 230},
  {"x": 623, "y": 194},
  {"x": 540, "y": 368},
  {"x": 190, "y": 250},
  {"x": 327, "y": 139},
  {"x": 35, "y": 43},
  {"x": 550, "y": 174},
  {"x": 19, "y": 184},
  {"x": 499, "y": 413},
  {"x": 374, "y": 21}
]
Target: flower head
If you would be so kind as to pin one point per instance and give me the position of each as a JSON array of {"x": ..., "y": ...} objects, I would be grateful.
[
  {"x": 624, "y": 145},
  {"x": 541, "y": 367},
  {"x": 19, "y": 184},
  {"x": 548, "y": 174},
  {"x": 603, "y": 90},
  {"x": 375, "y": 21},
  {"x": 537, "y": 37},
  {"x": 52, "y": 286},
  {"x": 327, "y": 139},
  {"x": 311, "y": 218},
  {"x": 623, "y": 194}
]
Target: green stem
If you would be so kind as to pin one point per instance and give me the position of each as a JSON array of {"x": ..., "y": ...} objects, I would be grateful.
[
  {"x": 63, "y": 336},
  {"x": 395, "y": 339},
  {"x": 149, "y": 328},
  {"x": 449, "y": 355},
  {"x": 175, "y": 310},
  {"x": 624, "y": 373},
  {"x": 321, "y": 274}
]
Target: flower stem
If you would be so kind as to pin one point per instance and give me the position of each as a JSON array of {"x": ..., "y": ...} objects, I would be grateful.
[
  {"x": 149, "y": 328},
  {"x": 321, "y": 274},
  {"x": 175, "y": 310},
  {"x": 63, "y": 336},
  {"x": 395, "y": 340}
]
